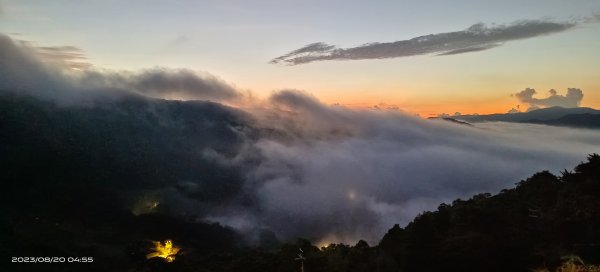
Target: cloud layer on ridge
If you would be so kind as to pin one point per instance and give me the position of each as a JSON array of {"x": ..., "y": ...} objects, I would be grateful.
[
  {"x": 349, "y": 174},
  {"x": 60, "y": 72}
]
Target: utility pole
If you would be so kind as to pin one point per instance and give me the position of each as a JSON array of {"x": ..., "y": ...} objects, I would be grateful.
[{"x": 301, "y": 259}]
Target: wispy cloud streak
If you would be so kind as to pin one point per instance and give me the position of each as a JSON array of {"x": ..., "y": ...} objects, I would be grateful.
[
  {"x": 478, "y": 37},
  {"x": 70, "y": 56}
]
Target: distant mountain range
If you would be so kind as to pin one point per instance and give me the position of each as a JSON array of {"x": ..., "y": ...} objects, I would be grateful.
[{"x": 556, "y": 116}]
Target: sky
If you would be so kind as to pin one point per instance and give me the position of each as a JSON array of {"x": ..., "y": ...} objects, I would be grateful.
[{"x": 236, "y": 41}]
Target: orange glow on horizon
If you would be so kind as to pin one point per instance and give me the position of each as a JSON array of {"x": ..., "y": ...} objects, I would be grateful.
[
  {"x": 429, "y": 106},
  {"x": 429, "y": 110}
]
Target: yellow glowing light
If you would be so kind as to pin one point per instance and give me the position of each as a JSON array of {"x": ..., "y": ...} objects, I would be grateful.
[
  {"x": 352, "y": 195},
  {"x": 167, "y": 251},
  {"x": 323, "y": 244},
  {"x": 153, "y": 204}
]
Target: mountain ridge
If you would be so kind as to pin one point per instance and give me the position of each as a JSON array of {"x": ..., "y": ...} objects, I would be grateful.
[{"x": 557, "y": 116}]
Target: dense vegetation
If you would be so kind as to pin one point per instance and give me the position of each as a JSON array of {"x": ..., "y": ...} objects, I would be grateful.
[
  {"x": 544, "y": 218},
  {"x": 67, "y": 173}
]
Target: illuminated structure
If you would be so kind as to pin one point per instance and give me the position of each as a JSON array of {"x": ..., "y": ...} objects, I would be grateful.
[{"x": 166, "y": 251}]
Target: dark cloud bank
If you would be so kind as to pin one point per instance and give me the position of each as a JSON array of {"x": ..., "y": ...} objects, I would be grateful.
[
  {"x": 478, "y": 37},
  {"x": 62, "y": 74},
  {"x": 291, "y": 165}
]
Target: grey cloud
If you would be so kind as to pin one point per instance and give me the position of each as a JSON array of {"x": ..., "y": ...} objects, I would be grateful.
[
  {"x": 385, "y": 168},
  {"x": 309, "y": 49},
  {"x": 181, "y": 84},
  {"x": 594, "y": 18},
  {"x": 478, "y": 37},
  {"x": 48, "y": 72},
  {"x": 22, "y": 71},
  {"x": 297, "y": 100},
  {"x": 571, "y": 100},
  {"x": 301, "y": 116},
  {"x": 469, "y": 49},
  {"x": 69, "y": 56}
]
